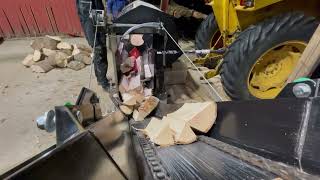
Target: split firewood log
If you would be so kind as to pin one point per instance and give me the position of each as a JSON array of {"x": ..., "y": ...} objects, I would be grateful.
[
  {"x": 49, "y": 42},
  {"x": 67, "y": 51},
  {"x": 75, "y": 51},
  {"x": 47, "y": 52},
  {"x": 83, "y": 57},
  {"x": 128, "y": 99},
  {"x": 56, "y": 38},
  {"x": 182, "y": 131},
  {"x": 42, "y": 66},
  {"x": 64, "y": 45},
  {"x": 28, "y": 60},
  {"x": 200, "y": 116},
  {"x": 60, "y": 59},
  {"x": 37, "y": 56},
  {"x": 126, "y": 109},
  {"x": 145, "y": 108},
  {"x": 159, "y": 132},
  {"x": 83, "y": 47},
  {"x": 76, "y": 65}
]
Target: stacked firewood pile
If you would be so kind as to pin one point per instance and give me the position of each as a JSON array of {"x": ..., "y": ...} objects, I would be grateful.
[
  {"x": 51, "y": 52},
  {"x": 174, "y": 128}
]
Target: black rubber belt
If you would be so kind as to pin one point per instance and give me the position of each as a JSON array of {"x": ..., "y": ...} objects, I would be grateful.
[{"x": 155, "y": 165}]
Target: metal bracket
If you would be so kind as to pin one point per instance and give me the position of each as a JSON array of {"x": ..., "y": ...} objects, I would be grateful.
[{"x": 98, "y": 17}]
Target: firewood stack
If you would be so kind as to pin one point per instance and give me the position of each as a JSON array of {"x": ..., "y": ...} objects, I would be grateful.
[{"x": 51, "y": 52}]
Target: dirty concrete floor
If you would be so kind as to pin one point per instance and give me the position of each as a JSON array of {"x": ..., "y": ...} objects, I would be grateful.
[{"x": 25, "y": 95}]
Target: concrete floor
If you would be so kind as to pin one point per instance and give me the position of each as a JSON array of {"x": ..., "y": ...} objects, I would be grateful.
[{"x": 25, "y": 95}]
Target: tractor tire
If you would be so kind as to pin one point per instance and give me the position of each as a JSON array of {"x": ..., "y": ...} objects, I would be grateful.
[
  {"x": 254, "y": 42},
  {"x": 205, "y": 32}
]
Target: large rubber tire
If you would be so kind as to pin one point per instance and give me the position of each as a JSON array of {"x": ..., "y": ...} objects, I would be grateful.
[
  {"x": 205, "y": 32},
  {"x": 254, "y": 42}
]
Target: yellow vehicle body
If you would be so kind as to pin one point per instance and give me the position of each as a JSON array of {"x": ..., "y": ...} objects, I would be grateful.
[{"x": 232, "y": 18}]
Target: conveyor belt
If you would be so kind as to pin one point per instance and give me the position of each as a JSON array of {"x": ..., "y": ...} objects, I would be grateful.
[{"x": 201, "y": 161}]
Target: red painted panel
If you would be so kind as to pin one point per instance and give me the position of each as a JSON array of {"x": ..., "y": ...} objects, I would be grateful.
[
  {"x": 10, "y": 14},
  {"x": 60, "y": 14},
  {"x": 4, "y": 23},
  {"x": 38, "y": 8},
  {"x": 28, "y": 18},
  {"x": 75, "y": 19},
  {"x": 22, "y": 21},
  {"x": 69, "y": 15},
  {"x": 1, "y": 32},
  {"x": 38, "y": 17}
]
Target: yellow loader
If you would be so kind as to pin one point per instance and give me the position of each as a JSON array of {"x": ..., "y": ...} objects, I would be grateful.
[{"x": 264, "y": 40}]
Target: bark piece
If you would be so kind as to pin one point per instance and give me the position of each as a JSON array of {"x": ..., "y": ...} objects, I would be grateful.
[
  {"x": 45, "y": 42},
  {"x": 82, "y": 57},
  {"x": 159, "y": 132},
  {"x": 146, "y": 108},
  {"x": 182, "y": 131},
  {"x": 37, "y": 56},
  {"x": 64, "y": 45},
  {"x": 200, "y": 116},
  {"x": 48, "y": 52},
  {"x": 42, "y": 66},
  {"x": 76, "y": 65},
  {"x": 126, "y": 109},
  {"x": 28, "y": 60}
]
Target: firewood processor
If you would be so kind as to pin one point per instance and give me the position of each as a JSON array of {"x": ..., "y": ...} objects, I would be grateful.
[{"x": 250, "y": 139}]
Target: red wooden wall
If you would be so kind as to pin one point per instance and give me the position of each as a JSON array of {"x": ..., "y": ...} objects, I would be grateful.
[{"x": 20, "y": 18}]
